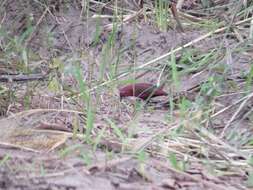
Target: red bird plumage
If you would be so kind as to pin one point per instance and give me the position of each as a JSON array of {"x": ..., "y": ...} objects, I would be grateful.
[{"x": 141, "y": 90}]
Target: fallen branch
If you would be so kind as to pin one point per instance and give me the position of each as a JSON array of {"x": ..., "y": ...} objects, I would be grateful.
[{"x": 22, "y": 77}]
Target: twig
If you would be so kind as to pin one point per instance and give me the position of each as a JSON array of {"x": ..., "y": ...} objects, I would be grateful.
[
  {"x": 3, "y": 19},
  {"x": 36, "y": 26},
  {"x": 22, "y": 77},
  {"x": 189, "y": 44},
  {"x": 110, "y": 164},
  {"x": 53, "y": 126},
  {"x": 235, "y": 114},
  {"x": 18, "y": 146},
  {"x": 186, "y": 175},
  {"x": 127, "y": 18},
  {"x": 34, "y": 111},
  {"x": 180, "y": 4},
  {"x": 175, "y": 15},
  {"x": 172, "y": 52}
]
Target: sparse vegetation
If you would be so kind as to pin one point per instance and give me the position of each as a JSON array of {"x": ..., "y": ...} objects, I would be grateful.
[{"x": 62, "y": 64}]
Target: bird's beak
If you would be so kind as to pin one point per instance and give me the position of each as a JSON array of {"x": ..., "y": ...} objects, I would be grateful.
[{"x": 120, "y": 98}]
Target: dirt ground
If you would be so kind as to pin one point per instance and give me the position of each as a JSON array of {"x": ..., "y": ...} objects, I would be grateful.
[{"x": 158, "y": 142}]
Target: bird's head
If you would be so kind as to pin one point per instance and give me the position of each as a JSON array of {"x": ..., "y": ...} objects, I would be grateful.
[{"x": 124, "y": 92}]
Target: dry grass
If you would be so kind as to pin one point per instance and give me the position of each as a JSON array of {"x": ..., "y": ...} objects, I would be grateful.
[{"x": 83, "y": 51}]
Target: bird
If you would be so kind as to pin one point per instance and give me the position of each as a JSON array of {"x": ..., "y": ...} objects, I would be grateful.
[{"x": 145, "y": 91}]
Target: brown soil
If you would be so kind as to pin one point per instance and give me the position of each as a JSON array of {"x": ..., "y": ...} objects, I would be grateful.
[{"x": 75, "y": 165}]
